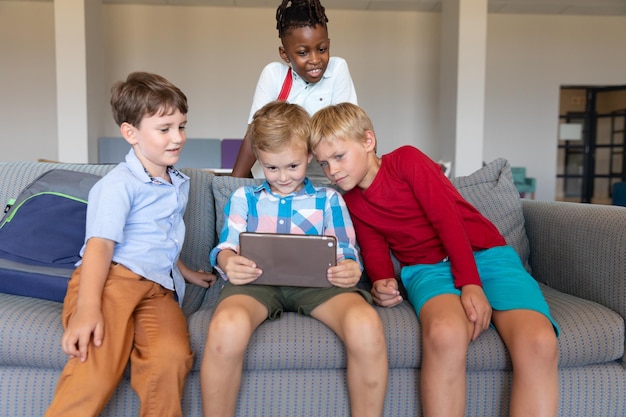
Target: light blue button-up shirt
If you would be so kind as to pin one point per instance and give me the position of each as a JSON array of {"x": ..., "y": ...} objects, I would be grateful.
[{"x": 144, "y": 217}]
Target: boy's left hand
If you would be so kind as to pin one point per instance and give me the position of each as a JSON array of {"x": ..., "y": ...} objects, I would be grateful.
[
  {"x": 477, "y": 308},
  {"x": 345, "y": 274}
]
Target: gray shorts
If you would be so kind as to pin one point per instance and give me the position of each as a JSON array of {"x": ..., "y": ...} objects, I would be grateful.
[{"x": 301, "y": 300}]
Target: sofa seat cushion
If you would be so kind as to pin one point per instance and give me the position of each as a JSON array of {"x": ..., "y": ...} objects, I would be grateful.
[
  {"x": 30, "y": 335},
  {"x": 298, "y": 342},
  {"x": 590, "y": 334},
  {"x": 30, "y": 332}
]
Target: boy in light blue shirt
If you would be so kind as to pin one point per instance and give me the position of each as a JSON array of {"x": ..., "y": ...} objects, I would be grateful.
[{"x": 121, "y": 303}]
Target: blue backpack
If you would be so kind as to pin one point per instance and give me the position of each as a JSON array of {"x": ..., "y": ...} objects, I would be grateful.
[{"x": 42, "y": 232}]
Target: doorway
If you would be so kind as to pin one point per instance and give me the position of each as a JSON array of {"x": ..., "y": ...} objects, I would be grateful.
[{"x": 591, "y": 147}]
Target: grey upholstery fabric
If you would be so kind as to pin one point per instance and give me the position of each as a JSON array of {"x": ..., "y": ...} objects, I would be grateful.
[{"x": 579, "y": 249}]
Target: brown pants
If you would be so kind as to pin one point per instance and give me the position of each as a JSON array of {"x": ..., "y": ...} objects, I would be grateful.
[{"x": 143, "y": 323}]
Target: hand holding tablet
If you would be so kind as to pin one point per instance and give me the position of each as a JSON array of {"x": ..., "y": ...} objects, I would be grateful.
[{"x": 290, "y": 260}]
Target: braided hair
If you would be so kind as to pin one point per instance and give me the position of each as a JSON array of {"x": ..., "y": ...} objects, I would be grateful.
[{"x": 299, "y": 14}]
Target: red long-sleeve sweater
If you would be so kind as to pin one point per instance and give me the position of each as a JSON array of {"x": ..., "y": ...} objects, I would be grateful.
[{"x": 412, "y": 209}]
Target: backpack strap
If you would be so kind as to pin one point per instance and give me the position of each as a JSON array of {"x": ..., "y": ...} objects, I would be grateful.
[{"x": 284, "y": 92}]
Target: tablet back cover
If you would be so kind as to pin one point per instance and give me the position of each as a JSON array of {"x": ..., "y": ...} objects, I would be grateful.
[{"x": 290, "y": 260}]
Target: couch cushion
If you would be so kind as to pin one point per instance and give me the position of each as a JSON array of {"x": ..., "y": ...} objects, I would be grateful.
[
  {"x": 492, "y": 192},
  {"x": 200, "y": 232},
  {"x": 17, "y": 175},
  {"x": 30, "y": 332},
  {"x": 223, "y": 188},
  {"x": 590, "y": 334}
]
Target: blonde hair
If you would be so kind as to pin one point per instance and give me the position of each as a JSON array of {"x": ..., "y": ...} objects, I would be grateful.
[
  {"x": 340, "y": 121},
  {"x": 278, "y": 125}
]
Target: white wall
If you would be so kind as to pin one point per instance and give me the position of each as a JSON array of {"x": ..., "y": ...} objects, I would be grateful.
[
  {"x": 528, "y": 59},
  {"x": 216, "y": 54},
  {"x": 28, "y": 113}
]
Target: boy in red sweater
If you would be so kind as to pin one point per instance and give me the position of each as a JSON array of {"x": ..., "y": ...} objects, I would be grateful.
[{"x": 456, "y": 266}]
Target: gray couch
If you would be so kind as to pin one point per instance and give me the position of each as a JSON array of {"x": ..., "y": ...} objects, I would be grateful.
[{"x": 296, "y": 366}]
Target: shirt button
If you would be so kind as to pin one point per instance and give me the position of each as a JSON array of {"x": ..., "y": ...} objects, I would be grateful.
[
  {"x": 282, "y": 201},
  {"x": 281, "y": 222}
]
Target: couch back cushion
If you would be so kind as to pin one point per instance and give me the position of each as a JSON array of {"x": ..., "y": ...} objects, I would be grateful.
[
  {"x": 223, "y": 188},
  {"x": 492, "y": 191},
  {"x": 200, "y": 233},
  {"x": 17, "y": 175}
]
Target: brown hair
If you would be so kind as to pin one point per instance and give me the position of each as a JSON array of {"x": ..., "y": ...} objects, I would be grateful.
[
  {"x": 145, "y": 94},
  {"x": 277, "y": 125},
  {"x": 339, "y": 121},
  {"x": 301, "y": 13}
]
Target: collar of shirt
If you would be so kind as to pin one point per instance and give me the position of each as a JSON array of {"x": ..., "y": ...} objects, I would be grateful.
[
  {"x": 307, "y": 189},
  {"x": 327, "y": 74},
  {"x": 141, "y": 173}
]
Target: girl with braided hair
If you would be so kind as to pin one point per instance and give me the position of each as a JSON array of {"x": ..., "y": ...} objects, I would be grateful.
[{"x": 307, "y": 74}]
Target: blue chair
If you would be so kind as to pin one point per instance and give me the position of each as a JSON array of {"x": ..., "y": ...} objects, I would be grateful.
[
  {"x": 523, "y": 184},
  {"x": 230, "y": 149},
  {"x": 619, "y": 194}
]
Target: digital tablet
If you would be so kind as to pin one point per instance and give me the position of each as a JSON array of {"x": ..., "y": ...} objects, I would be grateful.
[{"x": 290, "y": 260}]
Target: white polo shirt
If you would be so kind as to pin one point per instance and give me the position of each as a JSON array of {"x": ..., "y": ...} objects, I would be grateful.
[{"x": 335, "y": 87}]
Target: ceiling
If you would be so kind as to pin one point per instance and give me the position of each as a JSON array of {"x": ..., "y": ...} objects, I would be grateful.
[{"x": 564, "y": 7}]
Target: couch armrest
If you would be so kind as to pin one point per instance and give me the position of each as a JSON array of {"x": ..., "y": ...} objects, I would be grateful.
[{"x": 579, "y": 249}]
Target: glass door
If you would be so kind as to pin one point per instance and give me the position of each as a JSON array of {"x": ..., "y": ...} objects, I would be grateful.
[{"x": 591, "y": 146}]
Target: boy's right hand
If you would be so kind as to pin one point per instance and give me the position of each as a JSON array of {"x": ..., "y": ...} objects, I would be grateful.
[
  {"x": 385, "y": 292},
  {"x": 83, "y": 324},
  {"x": 239, "y": 269}
]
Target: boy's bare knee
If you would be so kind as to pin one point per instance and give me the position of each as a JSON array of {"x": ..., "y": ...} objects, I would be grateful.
[
  {"x": 229, "y": 331},
  {"x": 539, "y": 347},
  {"x": 364, "y": 330},
  {"x": 444, "y": 335}
]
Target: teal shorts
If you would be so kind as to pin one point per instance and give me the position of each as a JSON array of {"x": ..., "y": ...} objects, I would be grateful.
[
  {"x": 506, "y": 283},
  {"x": 302, "y": 300}
]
